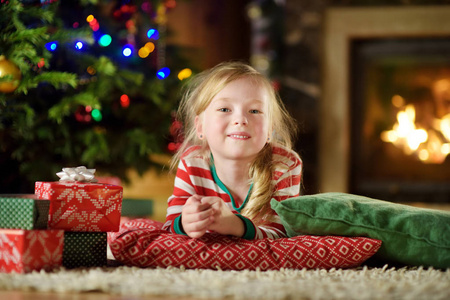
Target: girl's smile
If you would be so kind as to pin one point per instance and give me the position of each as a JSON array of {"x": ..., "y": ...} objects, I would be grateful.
[{"x": 239, "y": 135}]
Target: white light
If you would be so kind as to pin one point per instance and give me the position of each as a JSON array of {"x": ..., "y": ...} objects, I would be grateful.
[
  {"x": 79, "y": 45},
  {"x": 127, "y": 51}
]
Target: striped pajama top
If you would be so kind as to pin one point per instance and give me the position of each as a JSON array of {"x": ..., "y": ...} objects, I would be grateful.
[{"x": 195, "y": 175}]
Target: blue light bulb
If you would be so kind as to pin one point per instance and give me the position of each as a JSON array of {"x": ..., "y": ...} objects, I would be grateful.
[
  {"x": 153, "y": 34},
  {"x": 51, "y": 46},
  {"x": 163, "y": 73}
]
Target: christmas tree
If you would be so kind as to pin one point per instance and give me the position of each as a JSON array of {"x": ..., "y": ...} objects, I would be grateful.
[{"x": 84, "y": 83}]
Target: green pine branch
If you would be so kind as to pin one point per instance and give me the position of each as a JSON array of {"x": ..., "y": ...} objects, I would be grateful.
[
  {"x": 58, "y": 80},
  {"x": 42, "y": 123}
]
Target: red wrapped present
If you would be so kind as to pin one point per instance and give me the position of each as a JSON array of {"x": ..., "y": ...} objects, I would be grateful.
[
  {"x": 81, "y": 206},
  {"x": 23, "y": 251},
  {"x": 94, "y": 207}
]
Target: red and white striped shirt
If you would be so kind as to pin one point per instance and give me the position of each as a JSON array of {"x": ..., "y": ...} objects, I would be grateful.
[{"x": 195, "y": 176}]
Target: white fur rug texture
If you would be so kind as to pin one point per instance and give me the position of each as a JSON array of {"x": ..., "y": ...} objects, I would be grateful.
[{"x": 361, "y": 283}]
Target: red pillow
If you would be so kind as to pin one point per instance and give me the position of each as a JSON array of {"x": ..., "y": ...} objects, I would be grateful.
[{"x": 143, "y": 243}]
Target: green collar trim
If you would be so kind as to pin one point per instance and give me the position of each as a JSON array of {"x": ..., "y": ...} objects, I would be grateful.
[{"x": 223, "y": 187}]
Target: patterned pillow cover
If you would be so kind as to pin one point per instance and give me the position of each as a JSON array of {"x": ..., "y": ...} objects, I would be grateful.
[{"x": 143, "y": 243}]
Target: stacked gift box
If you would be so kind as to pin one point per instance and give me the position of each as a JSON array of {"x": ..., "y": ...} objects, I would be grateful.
[
  {"x": 65, "y": 223},
  {"x": 25, "y": 242}
]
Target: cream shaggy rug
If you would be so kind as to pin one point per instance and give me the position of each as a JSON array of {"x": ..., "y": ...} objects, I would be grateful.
[{"x": 362, "y": 283}]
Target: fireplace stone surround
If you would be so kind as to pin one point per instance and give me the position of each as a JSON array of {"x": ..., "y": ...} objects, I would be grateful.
[{"x": 342, "y": 26}]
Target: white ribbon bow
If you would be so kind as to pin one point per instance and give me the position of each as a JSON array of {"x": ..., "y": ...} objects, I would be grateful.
[{"x": 80, "y": 174}]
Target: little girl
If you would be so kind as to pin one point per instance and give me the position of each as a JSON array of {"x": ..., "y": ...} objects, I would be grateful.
[{"x": 236, "y": 156}]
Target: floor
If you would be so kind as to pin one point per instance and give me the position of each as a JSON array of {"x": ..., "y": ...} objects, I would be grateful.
[{"x": 21, "y": 295}]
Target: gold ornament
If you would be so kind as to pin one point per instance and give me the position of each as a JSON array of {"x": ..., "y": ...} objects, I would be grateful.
[{"x": 9, "y": 68}]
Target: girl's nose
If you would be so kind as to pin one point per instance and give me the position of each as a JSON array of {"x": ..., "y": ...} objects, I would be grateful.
[{"x": 240, "y": 120}]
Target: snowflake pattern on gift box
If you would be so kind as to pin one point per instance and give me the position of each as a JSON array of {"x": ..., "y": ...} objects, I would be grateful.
[
  {"x": 24, "y": 251},
  {"x": 86, "y": 220},
  {"x": 47, "y": 243},
  {"x": 9, "y": 253},
  {"x": 82, "y": 207},
  {"x": 75, "y": 192}
]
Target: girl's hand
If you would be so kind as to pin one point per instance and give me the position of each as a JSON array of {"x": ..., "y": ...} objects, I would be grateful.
[
  {"x": 196, "y": 217},
  {"x": 223, "y": 220}
]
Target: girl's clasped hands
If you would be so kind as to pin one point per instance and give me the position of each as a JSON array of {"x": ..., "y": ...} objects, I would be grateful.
[{"x": 203, "y": 213}]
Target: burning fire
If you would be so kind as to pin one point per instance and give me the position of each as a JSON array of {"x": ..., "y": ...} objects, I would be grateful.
[{"x": 430, "y": 145}]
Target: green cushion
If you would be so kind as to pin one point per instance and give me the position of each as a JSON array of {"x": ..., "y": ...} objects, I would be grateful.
[{"x": 410, "y": 235}]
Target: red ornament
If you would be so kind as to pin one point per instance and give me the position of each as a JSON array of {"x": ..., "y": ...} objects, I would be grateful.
[
  {"x": 124, "y": 101},
  {"x": 170, "y": 4},
  {"x": 276, "y": 85},
  {"x": 176, "y": 134},
  {"x": 41, "y": 63},
  {"x": 83, "y": 114}
]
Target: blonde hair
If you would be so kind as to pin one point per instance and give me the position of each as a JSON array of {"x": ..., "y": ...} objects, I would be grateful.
[{"x": 198, "y": 95}]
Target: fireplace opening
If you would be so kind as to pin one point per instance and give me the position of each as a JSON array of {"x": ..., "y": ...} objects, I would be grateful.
[{"x": 400, "y": 119}]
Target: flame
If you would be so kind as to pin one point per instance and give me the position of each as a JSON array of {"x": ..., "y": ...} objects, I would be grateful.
[
  {"x": 430, "y": 145},
  {"x": 445, "y": 126}
]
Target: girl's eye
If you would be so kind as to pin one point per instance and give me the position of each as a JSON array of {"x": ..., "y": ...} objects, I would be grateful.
[
  {"x": 224, "y": 109},
  {"x": 255, "y": 111}
]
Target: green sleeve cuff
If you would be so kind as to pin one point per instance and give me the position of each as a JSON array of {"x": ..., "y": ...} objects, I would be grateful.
[
  {"x": 249, "y": 228},
  {"x": 177, "y": 226}
]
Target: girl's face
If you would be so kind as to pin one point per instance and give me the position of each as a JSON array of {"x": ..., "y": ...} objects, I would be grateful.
[{"x": 235, "y": 124}]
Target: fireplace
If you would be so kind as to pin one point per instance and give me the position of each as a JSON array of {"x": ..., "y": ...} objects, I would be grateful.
[
  {"x": 400, "y": 118},
  {"x": 385, "y": 111}
]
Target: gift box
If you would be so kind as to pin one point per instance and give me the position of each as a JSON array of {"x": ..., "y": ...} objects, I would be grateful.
[
  {"x": 23, "y": 212},
  {"x": 75, "y": 206},
  {"x": 84, "y": 249},
  {"x": 23, "y": 251}
]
